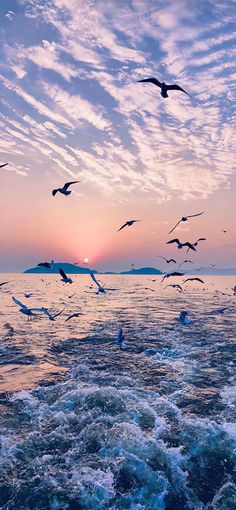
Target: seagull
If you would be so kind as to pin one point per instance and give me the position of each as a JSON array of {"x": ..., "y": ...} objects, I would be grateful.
[
  {"x": 175, "y": 273},
  {"x": 4, "y": 164},
  {"x": 73, "y": 315},
  {"x": 100, "y": 288},
  {"x": 196, "y": 243},
  {"x": 64, "y": 190},
  {"x": 120, "y": 338},
  {"x": 181, "y": 245},
  {"x": 167, "y": 260},
  {"x": 163, "y": 86},
  {"x": 46, "y": 312},
  {"x": 128, "y": 224},
  {"x": 185, "y": 218},
  {"x": 65, "y": 279},
  {"x": 219, "y": 311},
  {"x": 3, "y": 283},
  {"x": 29, "y": 311},
  {"x": 183, "y": 318},
  {"x": 148, "y": 288},
  {"x": 175, "y": 286},
  {"x": 193, "y": 279},
  {"x": 44, "y": 264},
  {"x": 185, "y": 262},
  {"x": 71, "y": 296}
]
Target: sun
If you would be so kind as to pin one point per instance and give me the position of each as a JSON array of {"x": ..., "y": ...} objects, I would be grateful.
[{"x": 86, "y": 260}]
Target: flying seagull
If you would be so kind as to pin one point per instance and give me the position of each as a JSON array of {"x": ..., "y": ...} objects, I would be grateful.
[
  {"x": 175, "y": 273},
  {"x": 193, "y": 280},
  {"x": 65, "y": 279},
  {"x": 100, "y": 288},
  {"x": 4, "y": 164},
  {"x": 64, "y": 190},
  {"x": 73, "y": 315},
  {"x": 196, "y": 243},
  {"x": 128, "y": 224},
  {"x": 44, "y": 264},
  {"x": 167, "y": 260},
  {"x": 3, "y": 283},
  {"x": 120, "y": 338},
  {"x": 185, "y": 218},
  {"x": 163, "y": 86},
  {"x": 183, "y": 318},
  {"x": 181, "y": 245},
  {"x": 219, "y": 311},
  {"x": 185, "y": 262},
  {"x": 175, "y": 286},
  {"x": 29, "y": 311}
]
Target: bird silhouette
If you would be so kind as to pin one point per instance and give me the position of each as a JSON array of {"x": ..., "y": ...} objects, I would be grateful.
[
  {"x": 64, "y": 190},
  {"x": 185, "y": 262},
  {"x": 175, "y": 273},
  {"x": 193, "y": 280},
  {"x": 128, "y": 224},
  {"x": 185, "y": 218},
  {"x": 163, "y": 86},
  {"x": 4, "y": 164},
  {"x": 180, "y": 245},
  {"x": 167, "y": 260},
  {"x": 64, "y": 279}
]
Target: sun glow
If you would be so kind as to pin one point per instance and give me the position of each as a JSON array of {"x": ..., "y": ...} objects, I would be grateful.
[{"x": 86, "y": 260}]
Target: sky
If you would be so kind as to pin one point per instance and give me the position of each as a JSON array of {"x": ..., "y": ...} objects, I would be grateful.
[{"x": 71, "y": 109}]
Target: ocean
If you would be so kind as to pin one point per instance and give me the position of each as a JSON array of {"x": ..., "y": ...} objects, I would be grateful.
[{"x": 85, "y": 425}]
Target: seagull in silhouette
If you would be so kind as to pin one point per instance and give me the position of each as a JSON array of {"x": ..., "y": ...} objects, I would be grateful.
[
  {"x": 219, "y": 311},
  {"x": 163, "y": 86},
  {"x": 120, "y": 338},
  {"x": 175, "y": 286},
  {"x": 185, "y": 262},
  {"x": 196, "y": 243},
  {"x": 30, "y": 311},
  {"x": 183, "y": 318},
  {"x": 100, "y": 288},
  {"x": 4, "y": 164},
  {"x": 64, "y": 190},
  {"x": 193, "y": 280},
  {"x": 175, "y": 273},
  {"x": 167, "y": 260},
  {"x": 181, "y": 245},
  {"x": 44, "y": 264},
  {"x": 64, "y": 279},
  {"x": 128, "y": 224},
  {"x": 185, "y": 218},
  {"x": 3, "y": 283},
  {"x": 72, "y": 316}
]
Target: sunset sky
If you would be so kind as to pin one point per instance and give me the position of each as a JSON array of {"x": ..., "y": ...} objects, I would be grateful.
[{"x": 71, "y": 108}]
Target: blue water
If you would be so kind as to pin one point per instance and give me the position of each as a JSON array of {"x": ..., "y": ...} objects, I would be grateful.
[{"x": 85, "y": 425}]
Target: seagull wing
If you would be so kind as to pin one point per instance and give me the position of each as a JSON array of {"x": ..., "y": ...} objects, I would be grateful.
[
  {"x": 62, "y": 273},
  {"x": 193, "y": 215},
  {"x": 190, "y": 246},
  {"x": 19, "y": 303},
  {"x": 5, "y": 164},
  {"x": 201, "y": 239},
  {"x": 54, "y": 192},
  {"x": 123, "y": 226},
  {"x": 175, "y": 227},
  {"x": 173, "y": 241},
  {"x": 3, "y": 283},
  {"x": 151, "y": 80},
  {"x": 67, "y": 184},
  {"x": 177, "y": 87},
  {"x": 94, "y": 279}
]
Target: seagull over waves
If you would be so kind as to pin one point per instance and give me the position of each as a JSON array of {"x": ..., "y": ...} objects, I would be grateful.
[
  {"x": 219, "y": 311},
  {"x": 73, "y": 315},
  {"x": 44, "y": 264},
  {"x": 181, "y": 245},
  {"x": 100, "y": 288},
  {"x": 193, "y": 280},
  {"x": 3, "y": 283},
  {"x": 128, "y": 224},
  {"x": 167, "y": 260},
  {"x": 183, "y": 318},
  {"x": 64, "y": 190},
  {"x": 185, "y": 218},
  {"x": 29, "y": 311},
  {"x": 65, "y": 279},
  {"x": 175, "y": 273},
  {"x": 185, "y": 262},
  {"x": 163, "y": 86},
  {"x": 120, "y": 338},
  {"x": 4, "y": 164},
  {"x": 175, "y": 286}
]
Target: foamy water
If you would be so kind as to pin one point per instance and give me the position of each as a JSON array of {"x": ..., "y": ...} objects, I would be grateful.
[{"x": 85, "y": 425}]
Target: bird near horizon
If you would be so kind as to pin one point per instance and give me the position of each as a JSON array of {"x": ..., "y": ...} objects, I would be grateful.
[
  {"x": 64, "y": 190},
  {"x": 167, "y": 260},
  {"x": 3, "y": 283},
  {"x": 175, "y": 286},
  {"x": 163, "y": 86},
  {"x": 180, "y": 245},
  {"x": 47, "y": 265},
  {"x": 120, "y": 338},
  {"x": 175, "y": 273},
  {"x": 73, "y": 316},
  {"x": 4, "y": 164},
  {"x": 128, "y": 224},
  {"x": 64, "y": 279},
  {"x": 185, "y": 262},
  {"x": 185, "y": 218},
  {"x": 193, "y": 280}
]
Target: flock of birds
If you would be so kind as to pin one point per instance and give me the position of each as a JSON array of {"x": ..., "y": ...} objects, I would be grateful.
[{"x": 64, "y": 190}]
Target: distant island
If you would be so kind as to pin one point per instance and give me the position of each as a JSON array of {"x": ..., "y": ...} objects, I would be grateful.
[{"x": 74, "y": 269}]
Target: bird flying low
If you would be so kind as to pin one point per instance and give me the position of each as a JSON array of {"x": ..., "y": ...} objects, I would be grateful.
[
  {"x": 3, "y": 283},
  {"x": 64, "y": 279},
  {"x": 175, "y": 273},
  {"x": 185, "y": 218},
  {"x": 128, "y": 224},
  {"x": 185, "y": 262},
  {"x": 180, "y": 245},
  {"x": 163, "y": 86},
  {"x": 100, "y": 288},
  {"x": 30, "y": 311},
  {"x": 120, "y": 338},
  {"x": 193, "y": 280},
  {"x": 196, "y": 243},
  {"x": 175, "y": 286},
  {"x": 4, "y": 164},
  {"x": 64, "y": 190},
  {"x": 72, "y": 316},
  {"x": 167, "y": 260}
]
